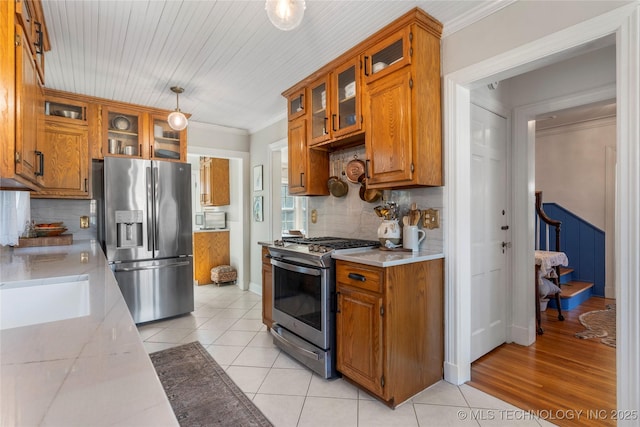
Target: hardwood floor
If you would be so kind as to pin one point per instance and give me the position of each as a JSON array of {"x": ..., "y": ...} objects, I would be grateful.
[{"x": 559, "y": 374}]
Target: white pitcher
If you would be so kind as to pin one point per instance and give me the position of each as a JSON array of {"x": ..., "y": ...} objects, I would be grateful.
[{"x": 412, "y": 236}]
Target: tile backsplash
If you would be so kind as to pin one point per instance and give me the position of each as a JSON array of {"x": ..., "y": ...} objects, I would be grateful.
[
  {"x": 68, "y": 211},
  {"x": 349, "y": 216}
]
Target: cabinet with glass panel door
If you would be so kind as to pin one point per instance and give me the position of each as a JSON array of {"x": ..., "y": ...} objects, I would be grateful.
[
  {"x": 389, "y": 55},
  {"x": 123, "y": 132},
  {"x": 166, "y": 143},
  {"x": 335, "y": 103},
  {"x": 64, "y": 170}
]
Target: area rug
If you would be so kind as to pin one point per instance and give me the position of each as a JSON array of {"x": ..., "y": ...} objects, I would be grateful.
[
  {"x": 600, "y": 324},
  {"x": 200, "y": 391}
]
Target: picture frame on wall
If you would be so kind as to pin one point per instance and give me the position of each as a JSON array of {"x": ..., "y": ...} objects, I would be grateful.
[
  {"x": 257, "y": 178},
  {"x": 257, "y": 209}
]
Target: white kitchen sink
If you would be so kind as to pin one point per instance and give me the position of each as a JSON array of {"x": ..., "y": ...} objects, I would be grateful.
[{"x": 31, "y": 302}]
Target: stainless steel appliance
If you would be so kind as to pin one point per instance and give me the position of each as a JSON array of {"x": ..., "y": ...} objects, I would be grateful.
[
  {"x": 147, "y": 234},
  {"x": 304, "y": 298},
  {"x": 214, "y": 220}
]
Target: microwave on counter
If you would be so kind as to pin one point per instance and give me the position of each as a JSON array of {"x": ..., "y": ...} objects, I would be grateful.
[{"x": 214, "y": 220}]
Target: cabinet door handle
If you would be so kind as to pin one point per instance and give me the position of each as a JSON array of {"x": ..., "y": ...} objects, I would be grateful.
[
  {"x": 302, "y": 179},
  {"x": 38, "y": 43},
  {"x": 366, "y": 61},
  {"x": 40, "y": 171},
  {"x": 333, "y": 122},
  {"x": 366, "y": 168},
  {"x": 86, "y": 185},
  {"x": 356, "y": 276}
]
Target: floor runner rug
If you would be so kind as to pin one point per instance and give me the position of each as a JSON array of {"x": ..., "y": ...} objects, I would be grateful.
[{"x": 200, "y": 391}]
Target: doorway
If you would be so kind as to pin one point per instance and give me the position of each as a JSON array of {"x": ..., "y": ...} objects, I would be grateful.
[{"x": 624, "y": 24}]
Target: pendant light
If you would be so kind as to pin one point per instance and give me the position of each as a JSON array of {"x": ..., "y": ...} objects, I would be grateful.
[
  {"x": 285, "y": 14},
  {"x": 177, "y": 120}
]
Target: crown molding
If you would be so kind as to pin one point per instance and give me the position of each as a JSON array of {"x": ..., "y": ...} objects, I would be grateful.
[{"x": 474, "y": 15}]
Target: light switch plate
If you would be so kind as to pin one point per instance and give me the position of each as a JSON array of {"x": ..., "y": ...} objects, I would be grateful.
[{"x": 430, "y": 218}]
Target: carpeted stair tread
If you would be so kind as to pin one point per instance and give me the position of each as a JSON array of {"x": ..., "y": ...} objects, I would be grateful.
[{"x": 573, "y": 288}]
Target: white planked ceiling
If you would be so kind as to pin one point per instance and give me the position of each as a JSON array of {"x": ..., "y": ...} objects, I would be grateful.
[{"x": 232, "y": 63}]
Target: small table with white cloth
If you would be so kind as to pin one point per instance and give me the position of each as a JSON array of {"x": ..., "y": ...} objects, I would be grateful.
[{"x": 547, "y": 265}]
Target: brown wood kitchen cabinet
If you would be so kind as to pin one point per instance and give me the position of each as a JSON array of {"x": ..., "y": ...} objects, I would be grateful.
[
  {"x": 403, "y": 137},
  {"x": 64, "y": 151},
  {"x": 23, "y": 42},
  {"x": 210, "y": 249},
  {"x": 134, "y": 131},
  {"x": 65, "y": 162},
  {"x": 383, "y": 93},
  {"x": 335, "y": 103},
  {"x": 267, "y": 289},
  {"x": 308, "y": 168},
  {"x": 214, "y": 181},
  {"x": 390, "y": 327}
]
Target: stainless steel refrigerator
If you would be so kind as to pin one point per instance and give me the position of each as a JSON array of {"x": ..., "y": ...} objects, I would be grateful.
[{"x": 148, "y": 235}]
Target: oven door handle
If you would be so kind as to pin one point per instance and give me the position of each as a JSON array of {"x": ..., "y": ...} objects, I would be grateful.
[
  {"x": 304, "y": 352},
  {"x": 295, "y": 268}
]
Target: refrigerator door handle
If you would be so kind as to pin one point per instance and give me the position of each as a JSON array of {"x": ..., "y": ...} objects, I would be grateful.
[
  {"x": 150, "y": 233},
  {"x": 156, "y": 210},
  {"x": 153, "y": 267}
]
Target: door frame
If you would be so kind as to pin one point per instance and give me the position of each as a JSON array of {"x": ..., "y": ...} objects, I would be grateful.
[{"x": 624, "y": 22}]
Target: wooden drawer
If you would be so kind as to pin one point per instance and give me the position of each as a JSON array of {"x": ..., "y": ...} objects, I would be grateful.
[{"x": 359, "y": 276}]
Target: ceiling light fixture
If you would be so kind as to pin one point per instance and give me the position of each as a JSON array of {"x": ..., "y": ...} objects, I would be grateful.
[
  {"x": 285, "y": 14},
  {"x": 177, "y": 120}
]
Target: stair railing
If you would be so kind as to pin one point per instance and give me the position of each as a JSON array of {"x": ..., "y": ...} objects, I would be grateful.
[{"x": 542, "y": 216}]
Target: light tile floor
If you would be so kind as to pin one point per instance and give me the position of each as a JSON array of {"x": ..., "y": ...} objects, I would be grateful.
[{"x": 228, "y": 323}]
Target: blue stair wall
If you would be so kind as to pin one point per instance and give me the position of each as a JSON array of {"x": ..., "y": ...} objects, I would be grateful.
[{"x": 582, "y": 242}]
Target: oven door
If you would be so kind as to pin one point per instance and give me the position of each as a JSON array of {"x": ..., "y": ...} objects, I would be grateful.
[{"x": 302, "y": 301}]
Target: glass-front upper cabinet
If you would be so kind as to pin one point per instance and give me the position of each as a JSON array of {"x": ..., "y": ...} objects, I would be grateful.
[
  {"x": 346, "y": 116},
  {"x": 321, "y": 125},
  {"x": 389, "y": 55},
  {"x": 297, "y": 104},
  {"x": 122, "y": 133},
  {"x": 65, "y": 110},
  {"x": 166, "y": 143}
]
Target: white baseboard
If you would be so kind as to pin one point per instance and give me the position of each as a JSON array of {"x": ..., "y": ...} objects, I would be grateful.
[
  {"x": 256, "y": 288},
  {"x": 454, "y": 375}
]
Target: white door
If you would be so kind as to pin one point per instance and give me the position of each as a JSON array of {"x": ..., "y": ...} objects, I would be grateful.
[{"x": 489, "y": 231}]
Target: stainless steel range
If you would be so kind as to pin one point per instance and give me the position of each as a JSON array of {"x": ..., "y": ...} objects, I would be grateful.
[{"x": 304, "y": 298}]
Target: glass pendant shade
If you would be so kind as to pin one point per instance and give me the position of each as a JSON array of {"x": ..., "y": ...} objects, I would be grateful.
[
  {"x": 177, "y": 120},
  {"x": 285, "y": 14}
]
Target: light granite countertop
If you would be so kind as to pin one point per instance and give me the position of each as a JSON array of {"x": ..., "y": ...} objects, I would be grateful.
[
  {"x": 381, "y": 258},
  {"x": 84, "y": 365}
]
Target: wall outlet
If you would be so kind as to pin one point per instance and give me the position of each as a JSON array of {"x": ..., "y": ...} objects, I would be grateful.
[
  {"x": 430, "y": 218},
  {"x": 84, "y": 222}
]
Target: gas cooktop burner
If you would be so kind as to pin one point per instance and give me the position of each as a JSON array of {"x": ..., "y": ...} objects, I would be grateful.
[
  {"x": 327, "y": 244},
  {"x": 315, "y": 250}
]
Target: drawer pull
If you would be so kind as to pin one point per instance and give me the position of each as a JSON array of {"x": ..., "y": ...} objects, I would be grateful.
[{"x": 356, "y": 276}]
